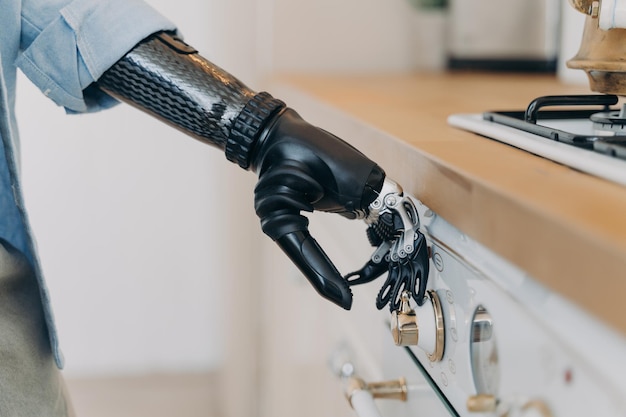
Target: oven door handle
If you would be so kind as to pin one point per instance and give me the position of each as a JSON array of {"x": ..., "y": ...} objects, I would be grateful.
[{"x": 361, "y": 394}]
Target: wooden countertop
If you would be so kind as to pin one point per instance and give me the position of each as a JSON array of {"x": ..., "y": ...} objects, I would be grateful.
[{"x": 565, "y": 228}]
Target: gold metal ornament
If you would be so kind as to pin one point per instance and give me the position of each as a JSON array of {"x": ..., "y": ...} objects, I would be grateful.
[
  {"x": 585, "y": 6},
  {"x": 602, "y": 55}
]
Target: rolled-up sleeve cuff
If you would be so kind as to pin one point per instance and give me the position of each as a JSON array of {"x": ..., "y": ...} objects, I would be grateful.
[{"x": 87, "y": 38}]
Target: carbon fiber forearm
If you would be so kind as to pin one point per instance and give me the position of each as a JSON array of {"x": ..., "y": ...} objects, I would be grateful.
[{"x": 167, "y": 78}]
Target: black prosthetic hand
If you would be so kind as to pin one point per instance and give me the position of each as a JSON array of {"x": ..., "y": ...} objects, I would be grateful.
[
  {"x": 300, "y": 167},
  {"x": 303, "y": 168}
]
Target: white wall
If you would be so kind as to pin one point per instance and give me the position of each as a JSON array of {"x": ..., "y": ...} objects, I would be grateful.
[
  {"x": 345, "y": 36},
  {"x": 572, "y": 24}
]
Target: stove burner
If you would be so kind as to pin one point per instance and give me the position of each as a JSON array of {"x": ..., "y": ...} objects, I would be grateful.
[
  {"x": 566, "y": 135},
  {"x": 603, "y": 130},
  {"x": 613, "y": 121},
  {"x": 532, "y": 111}
]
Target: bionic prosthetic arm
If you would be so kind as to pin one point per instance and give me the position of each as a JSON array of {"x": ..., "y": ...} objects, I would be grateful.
[
  {"x": 167, "y": 78},
  {"x": 300, "y": 167}
]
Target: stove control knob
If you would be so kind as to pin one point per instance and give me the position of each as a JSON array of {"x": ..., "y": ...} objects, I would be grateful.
[
  {"x": 487, "y": 403},
  {"x": 404, "y": 323},
  {"x": 361, "y": 394},
  {"x": 481, "y": 403},
  {"x": 534, "y": 408},
  {"x": 422, "y": 327}
]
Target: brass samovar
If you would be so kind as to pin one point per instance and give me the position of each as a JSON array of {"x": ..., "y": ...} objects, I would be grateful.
[{"x": 602, "y": 53}]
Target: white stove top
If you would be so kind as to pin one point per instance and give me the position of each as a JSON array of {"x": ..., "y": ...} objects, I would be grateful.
[{"x": 594, "y": 163}]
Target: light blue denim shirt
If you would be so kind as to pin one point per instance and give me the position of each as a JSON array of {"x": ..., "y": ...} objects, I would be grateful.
[{"x": 62, "y": 46}]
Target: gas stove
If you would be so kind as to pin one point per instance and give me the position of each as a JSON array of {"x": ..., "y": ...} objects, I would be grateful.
[
  {"x": 585, "y": 132},
  {"x": 510, "y": 346}
]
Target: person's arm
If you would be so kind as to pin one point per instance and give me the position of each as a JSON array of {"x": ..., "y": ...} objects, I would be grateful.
[
  {"x": 66, "y": 45},
  {"x": 300, "y": 167}
]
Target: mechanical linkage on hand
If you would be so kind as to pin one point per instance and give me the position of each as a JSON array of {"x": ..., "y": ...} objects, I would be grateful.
[
  {"x": 300, "y": 167},
  {"x": 401, "y": 248}
]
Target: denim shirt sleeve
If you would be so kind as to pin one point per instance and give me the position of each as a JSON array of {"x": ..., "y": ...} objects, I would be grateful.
[{"x": 66, "y": 45}]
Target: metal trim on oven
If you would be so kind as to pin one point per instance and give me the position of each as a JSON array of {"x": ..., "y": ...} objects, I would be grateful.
[{"x": 432, "y": 383}]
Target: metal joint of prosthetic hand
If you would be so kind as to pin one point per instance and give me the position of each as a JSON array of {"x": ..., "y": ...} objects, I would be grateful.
[
  {"x": 392, "y": 200},
  {"x": 401, "y": 248}
]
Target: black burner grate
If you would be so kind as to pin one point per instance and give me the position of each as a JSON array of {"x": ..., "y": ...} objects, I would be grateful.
[{"x": 534, "y": 119}]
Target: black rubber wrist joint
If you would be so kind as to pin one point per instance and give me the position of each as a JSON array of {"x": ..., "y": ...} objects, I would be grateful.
[{"x": 248, "y": 125}]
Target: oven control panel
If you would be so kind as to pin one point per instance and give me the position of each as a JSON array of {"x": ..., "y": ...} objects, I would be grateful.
[{"x": 508, "y": 346}]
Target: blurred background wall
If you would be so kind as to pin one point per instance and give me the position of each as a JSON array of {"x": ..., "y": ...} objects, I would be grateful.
[{"x": 148, "y": 239}]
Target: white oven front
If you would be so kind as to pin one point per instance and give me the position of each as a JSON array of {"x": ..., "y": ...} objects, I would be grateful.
[{"x": 511, "y": 346}]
